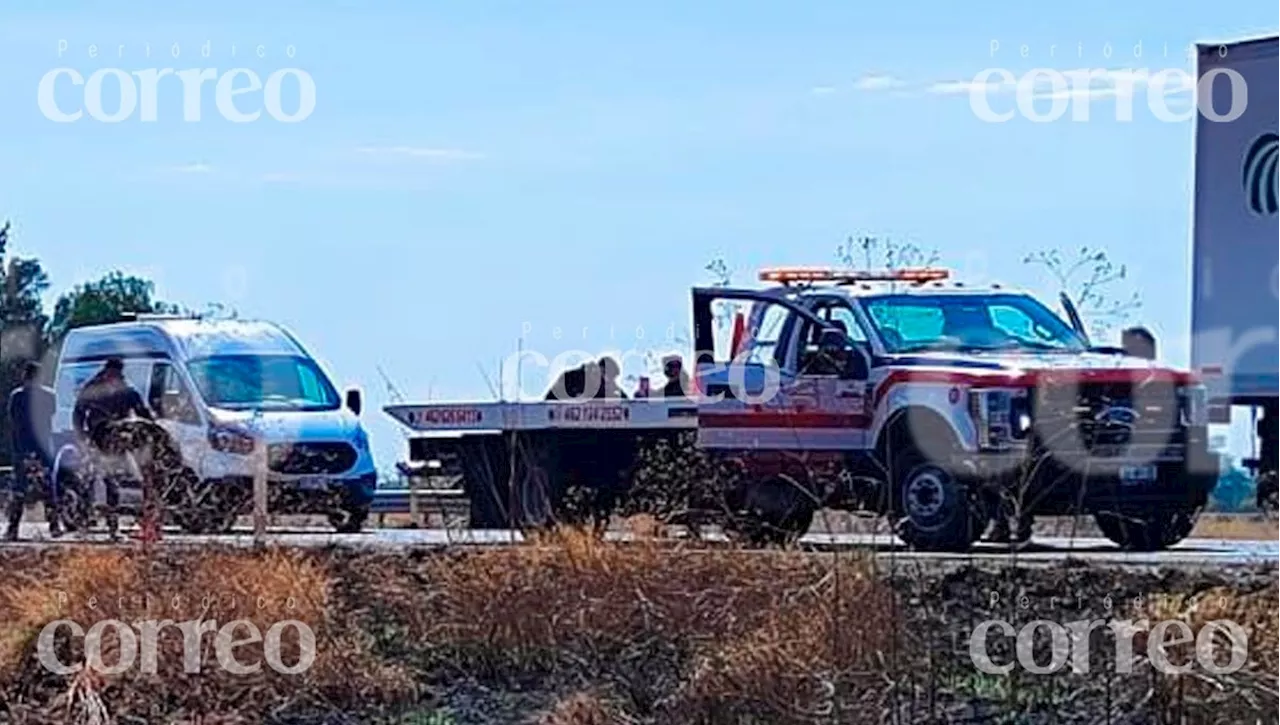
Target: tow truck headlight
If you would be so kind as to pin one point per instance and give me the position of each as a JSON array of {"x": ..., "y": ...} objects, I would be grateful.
[
  {"x": 1001, "y": 416},
  {"x": 1194, "y": 405}
]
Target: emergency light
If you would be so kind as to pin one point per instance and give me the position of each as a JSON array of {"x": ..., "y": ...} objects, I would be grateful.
[{"x": 914, "y": 275}]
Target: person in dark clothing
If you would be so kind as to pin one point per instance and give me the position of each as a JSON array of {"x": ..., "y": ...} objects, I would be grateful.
[
  {"x": 609, "y": 371},
  {"x": 571, "y": 385},
  {"x": 591, "y": 381},
  {"x": 30, "y": 412},
  {"x": 106, "y": 399},
  {"x": 1139, "y": 342},
  {"x": 677, "y": 384}
]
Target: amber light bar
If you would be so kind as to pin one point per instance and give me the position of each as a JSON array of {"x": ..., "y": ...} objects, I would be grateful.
[{"x": 787, "y": 275}]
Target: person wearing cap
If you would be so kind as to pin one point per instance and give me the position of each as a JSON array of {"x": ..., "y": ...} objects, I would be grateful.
[
  {"x": 30, "y": 412},
  {"x": 677, "y": 384},
  {"x": 106, "y": 399}
]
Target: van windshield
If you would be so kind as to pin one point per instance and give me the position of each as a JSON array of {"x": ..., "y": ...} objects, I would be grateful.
[{"x": 279, "y": 382}]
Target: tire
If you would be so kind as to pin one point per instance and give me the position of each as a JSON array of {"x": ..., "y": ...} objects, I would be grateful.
[
  {"x": 933, "y": 509},
  {"x": 776, "y": 511},
  {"x": 349, "y": 519},
  {"x": 1151, "y": 530},
  {"x": 1269, "y": 493},
  {"x": 198, "y": 506},
  {"x": 75, "y": 507}
]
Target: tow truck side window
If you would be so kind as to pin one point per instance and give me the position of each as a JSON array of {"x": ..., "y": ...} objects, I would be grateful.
[
  {"x": 764, "y": 348},
  {"x": 811, "y": 357}
]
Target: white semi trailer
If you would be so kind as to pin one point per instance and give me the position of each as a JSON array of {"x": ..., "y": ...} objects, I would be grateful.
[{"x": 1235, "y": 247}]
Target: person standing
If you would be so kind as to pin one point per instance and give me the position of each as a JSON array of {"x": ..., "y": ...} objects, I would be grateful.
[
  {"x": 609, "y": 372},
  {"x": 30, "y": 410},
  {"x": 106, "y": 399},
  {"x": 677, "y": 383},
  {"x": 1139, "y": 342}
]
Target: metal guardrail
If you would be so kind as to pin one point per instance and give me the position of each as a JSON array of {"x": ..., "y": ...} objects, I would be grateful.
[
  {"x": 445, "y": 508},
  {"x": 400, "y": 501}
]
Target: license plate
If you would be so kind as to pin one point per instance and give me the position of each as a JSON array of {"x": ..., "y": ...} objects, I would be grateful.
[
  {"x": 313, "y": 483},
  {"x": 1134, "y": 474}
]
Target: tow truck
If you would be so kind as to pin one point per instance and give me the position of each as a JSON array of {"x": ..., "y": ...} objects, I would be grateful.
[{"x": 897, "y": 392}]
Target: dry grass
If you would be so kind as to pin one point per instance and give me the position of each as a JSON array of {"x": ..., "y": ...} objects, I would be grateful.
[
  {"x": 1254, "y": 527},
  {"x": 567, "y": 630}
]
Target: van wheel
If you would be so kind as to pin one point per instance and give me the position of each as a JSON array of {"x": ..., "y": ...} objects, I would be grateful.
[
  {"x": 349, "y": 520},
  {"x": 75, "y": 505},
  {"x": 933, "y": 508},
  {"x": 199, "y": 506}
]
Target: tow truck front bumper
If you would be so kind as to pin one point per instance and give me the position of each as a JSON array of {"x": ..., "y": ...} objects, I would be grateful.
[{"x": 1136, "y": 475}]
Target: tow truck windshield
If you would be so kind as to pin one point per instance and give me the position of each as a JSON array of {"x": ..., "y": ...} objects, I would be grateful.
[{"x": 969, "y": 323}]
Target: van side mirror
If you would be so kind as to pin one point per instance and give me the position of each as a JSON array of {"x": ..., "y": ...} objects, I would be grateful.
[{"x": 354, "y": 402}]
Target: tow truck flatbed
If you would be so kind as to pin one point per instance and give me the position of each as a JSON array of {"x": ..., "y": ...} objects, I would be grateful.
[{"x": 637, "y": 414}]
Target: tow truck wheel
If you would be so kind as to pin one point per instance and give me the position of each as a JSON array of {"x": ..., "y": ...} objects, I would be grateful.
[
  {"x": 934, "y": 509},
  {"x": 775, "y": 510},
  {"x": 1269, "y": 493},
  {"x": 1151, "y": 530}
]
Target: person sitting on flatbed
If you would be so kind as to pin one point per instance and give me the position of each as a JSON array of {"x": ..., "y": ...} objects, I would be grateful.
[{"x": 600, "y": 377}]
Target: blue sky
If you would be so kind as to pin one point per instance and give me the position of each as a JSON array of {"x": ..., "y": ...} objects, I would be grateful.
[{"x": 475, "y": 172}]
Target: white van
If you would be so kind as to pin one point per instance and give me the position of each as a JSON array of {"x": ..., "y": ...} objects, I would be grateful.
[{"x": 216, "y": 387}]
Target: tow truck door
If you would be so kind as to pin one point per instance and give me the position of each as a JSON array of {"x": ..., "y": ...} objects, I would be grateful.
[{"x": 757, "y": 394}]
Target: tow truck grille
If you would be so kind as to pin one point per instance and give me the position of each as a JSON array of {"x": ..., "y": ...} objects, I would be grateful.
[
  {"x": 311, "y": 458},
  {"x": 1110, "y": 420}
]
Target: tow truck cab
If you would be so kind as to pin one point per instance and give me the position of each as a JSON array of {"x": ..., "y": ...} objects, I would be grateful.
[{"x": 943, "y": 405}]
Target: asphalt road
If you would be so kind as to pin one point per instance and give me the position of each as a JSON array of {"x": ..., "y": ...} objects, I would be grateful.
[{"x": 1191, "y": 552}]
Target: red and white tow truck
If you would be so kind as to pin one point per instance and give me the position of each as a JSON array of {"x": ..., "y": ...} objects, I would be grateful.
[{"x": 938, "y": 405}]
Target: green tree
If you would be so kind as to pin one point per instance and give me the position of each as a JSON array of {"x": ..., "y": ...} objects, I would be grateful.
[
  {"x": 22, "y": 321},
  {"x": 103, "y": 301}
]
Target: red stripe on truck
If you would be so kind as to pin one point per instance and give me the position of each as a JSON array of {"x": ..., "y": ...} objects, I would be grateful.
[
  {"x": 783, "y": 419},
  {"x": 1031, "y": 378}
]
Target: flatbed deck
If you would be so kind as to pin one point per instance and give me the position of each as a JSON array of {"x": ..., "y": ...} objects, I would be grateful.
[{"x": 637, "y": 414}]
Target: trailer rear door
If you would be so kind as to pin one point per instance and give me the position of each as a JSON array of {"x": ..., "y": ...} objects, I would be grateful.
[{"x": 1235, "y": 252}]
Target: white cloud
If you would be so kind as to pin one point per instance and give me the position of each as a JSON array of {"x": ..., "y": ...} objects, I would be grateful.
[
  {"x": 195, "y": 168},
  {"x": 420, "y": 152},
  {"x": 965, "y": 87},
  {"x": 1076, "y": 83},
  {"x": 822, "y": 90},
  {"x": 346, "y": 180},
  {"x": 877, "y": 82}
]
